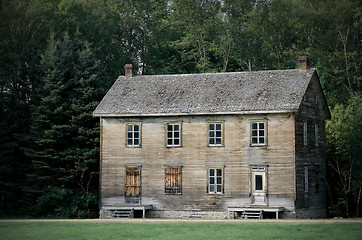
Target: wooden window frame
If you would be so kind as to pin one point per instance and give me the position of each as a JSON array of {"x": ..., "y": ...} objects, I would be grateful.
[
  {"x": 214, "y": 132},
  {"x": 132, "y": 132},
  {"x": 305, "y": 133},
  {"x": 214, "y": 179},
  {"x": 173, "y": 138},
  {"x": 173, "y": 180},
  {"x": 257, "y": 130}
]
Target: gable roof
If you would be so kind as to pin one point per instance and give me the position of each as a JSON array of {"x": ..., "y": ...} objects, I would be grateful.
[{"x": 209, "y": 93}]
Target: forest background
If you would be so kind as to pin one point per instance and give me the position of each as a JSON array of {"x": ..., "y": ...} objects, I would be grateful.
[{"x": 59, "y": 57}]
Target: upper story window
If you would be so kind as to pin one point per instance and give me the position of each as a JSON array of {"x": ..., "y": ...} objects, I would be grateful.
[
  {"x": 215, "y": 133},
  {"x": 215, "y": 180},
  {"x": 133, "y": 134},
  {"x": 173, "y": 134},
  {"x": 305, "y": 133},
  {"x": 258, "y": 133}
]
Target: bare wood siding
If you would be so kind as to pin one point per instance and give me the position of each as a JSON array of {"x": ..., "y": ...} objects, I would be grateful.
[{"x": 195, "y": 156}]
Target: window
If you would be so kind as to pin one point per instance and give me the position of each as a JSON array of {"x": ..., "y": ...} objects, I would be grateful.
[
  {"x": 258, "y": 133},
  {"x": 133, "y": 184},
  {"x": 133, "y": 134},
  {"x": 173, "y": 134},
  {"x": 317, "y": 179},
  {"x": 215, "y": 134},
  {"x": 306, "y": 186},
  {"x": 215, "y": 180},
  {"x": 173, "y": 180},
  {"x": 316, "y": 137},
  {"x": 305, "y": 133}
]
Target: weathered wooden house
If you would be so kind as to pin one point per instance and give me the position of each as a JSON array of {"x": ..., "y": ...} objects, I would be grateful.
[{"x": 216, "y": 145}]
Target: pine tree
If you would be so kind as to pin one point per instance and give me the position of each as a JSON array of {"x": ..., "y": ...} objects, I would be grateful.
[{"x": 65, "y": 152}]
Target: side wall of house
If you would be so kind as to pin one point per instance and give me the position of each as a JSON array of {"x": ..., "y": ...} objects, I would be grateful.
[
  {"x": 310, "y": 154},
  {"x": 235, "y": 157}
]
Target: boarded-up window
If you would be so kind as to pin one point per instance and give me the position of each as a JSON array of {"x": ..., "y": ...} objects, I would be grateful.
[
  {"x": 133, "y": 134},
  {"x": 133, "y": 184},
  {"x": 215, "y": 180},
  {"x": 173, "y": 180},
  {"x": 258, "y": 133}
]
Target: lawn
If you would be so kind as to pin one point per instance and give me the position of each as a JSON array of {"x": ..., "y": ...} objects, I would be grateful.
[{"x": 178, "y": 230}]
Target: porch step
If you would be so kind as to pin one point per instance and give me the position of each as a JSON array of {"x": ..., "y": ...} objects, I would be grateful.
[
  {"x": 252, "y": 214},
  {"x": 124, "y": 213}
]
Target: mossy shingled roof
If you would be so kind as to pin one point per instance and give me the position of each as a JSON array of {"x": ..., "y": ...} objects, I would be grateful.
[{"x": 209, "y": 93}]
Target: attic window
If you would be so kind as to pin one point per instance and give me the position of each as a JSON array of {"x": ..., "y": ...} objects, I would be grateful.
[
  {"x": 258, "y": 133},
  {"x": 215, "y": 131},
  {"x": 133, "y": 134},
  {"x": 173, "y": 134}
]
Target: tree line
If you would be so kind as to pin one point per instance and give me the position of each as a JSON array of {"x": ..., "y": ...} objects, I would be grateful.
[{"x": 59, "y": 57}]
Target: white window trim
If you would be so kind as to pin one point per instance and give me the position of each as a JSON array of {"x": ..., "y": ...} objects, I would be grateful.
[
  {"x": 133, "y": 138},
  {"x": 173, "y": 134},
  {"x": 215, "y": 180},
  {"x": 215, "y": 137},
  {"x": 257, "y": 131}
]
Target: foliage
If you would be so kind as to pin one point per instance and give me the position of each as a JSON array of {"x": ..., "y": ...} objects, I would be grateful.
[{"x": 50, "y": 85}]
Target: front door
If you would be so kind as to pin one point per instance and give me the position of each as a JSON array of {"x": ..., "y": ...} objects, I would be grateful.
[
  {"x": 258, "y": 186},
  {"x": 133, "y": 185}
]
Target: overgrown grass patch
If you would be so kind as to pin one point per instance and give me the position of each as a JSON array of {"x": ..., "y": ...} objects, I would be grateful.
[{"x": 177, "y": 230}]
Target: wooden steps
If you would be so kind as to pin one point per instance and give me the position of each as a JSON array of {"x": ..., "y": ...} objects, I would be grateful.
[
  {"x": 258, "y": 214},
  {"x": 123, "y": 213}
]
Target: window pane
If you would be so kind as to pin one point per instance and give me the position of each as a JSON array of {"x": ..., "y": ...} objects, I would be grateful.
[
  {"x": 136, "y": 142},
  {"x": 261, "y": 140},
  {"x": 129, "y": 142},
  {"x": 218, "y": 126},
  {"x": 212, "y": 188},
  {"x": 169, "y": 141},
  {"x": 261, "y": 132},
  {"x": 211, "y": 126},
  {"x": 261, "y": 125},
  {"x": 176, "y": 127},
  {"x": 218, "y": 133},
  {"x": 212, "y": 172},
  {"x": 218, "y": 172},
  {"x": 218, "y": 180},
  {"x": 258, "y": 182},
  {"x": 218, "y": 140},
  {"x": 254, "y": 140},
  {"x": 177, "y": 142},
  {"x": 218, "y": 188},
  {"x": 212, "y": 134},
  {"x": 169, "y": 134},
  {"x": 169, "y": 127},
  {"x": 176, "y": 134},
  {"x": 212, "y": 180},
  {"x": 211, "y": 141},
  {"x": 136, "y": 128},
  {"x": 254, "y": 126},
  {"x": 254, "y": 133},
  {"x": 136, "y": 135},
  {"x": 129, "y": 135}
]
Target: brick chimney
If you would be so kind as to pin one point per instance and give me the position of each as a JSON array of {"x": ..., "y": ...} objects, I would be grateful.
[
  {"x": 303, "y": 63},
  {"x": 128, "y": 70}
]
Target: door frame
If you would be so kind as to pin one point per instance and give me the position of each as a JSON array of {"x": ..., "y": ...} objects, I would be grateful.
[{"x": 258, "y": 192}]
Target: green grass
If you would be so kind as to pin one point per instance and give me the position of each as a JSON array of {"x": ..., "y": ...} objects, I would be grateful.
[{"x": 177, "y": 230}]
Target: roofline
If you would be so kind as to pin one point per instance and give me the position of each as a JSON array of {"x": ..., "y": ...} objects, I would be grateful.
[{"x": 194, "y": 114}]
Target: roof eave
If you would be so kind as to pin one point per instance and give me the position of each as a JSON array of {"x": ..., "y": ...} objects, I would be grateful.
[{"x": 195, "y": 113}]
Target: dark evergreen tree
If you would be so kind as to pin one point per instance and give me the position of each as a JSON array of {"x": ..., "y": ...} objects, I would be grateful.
[{"x": 65, "y": 151}]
